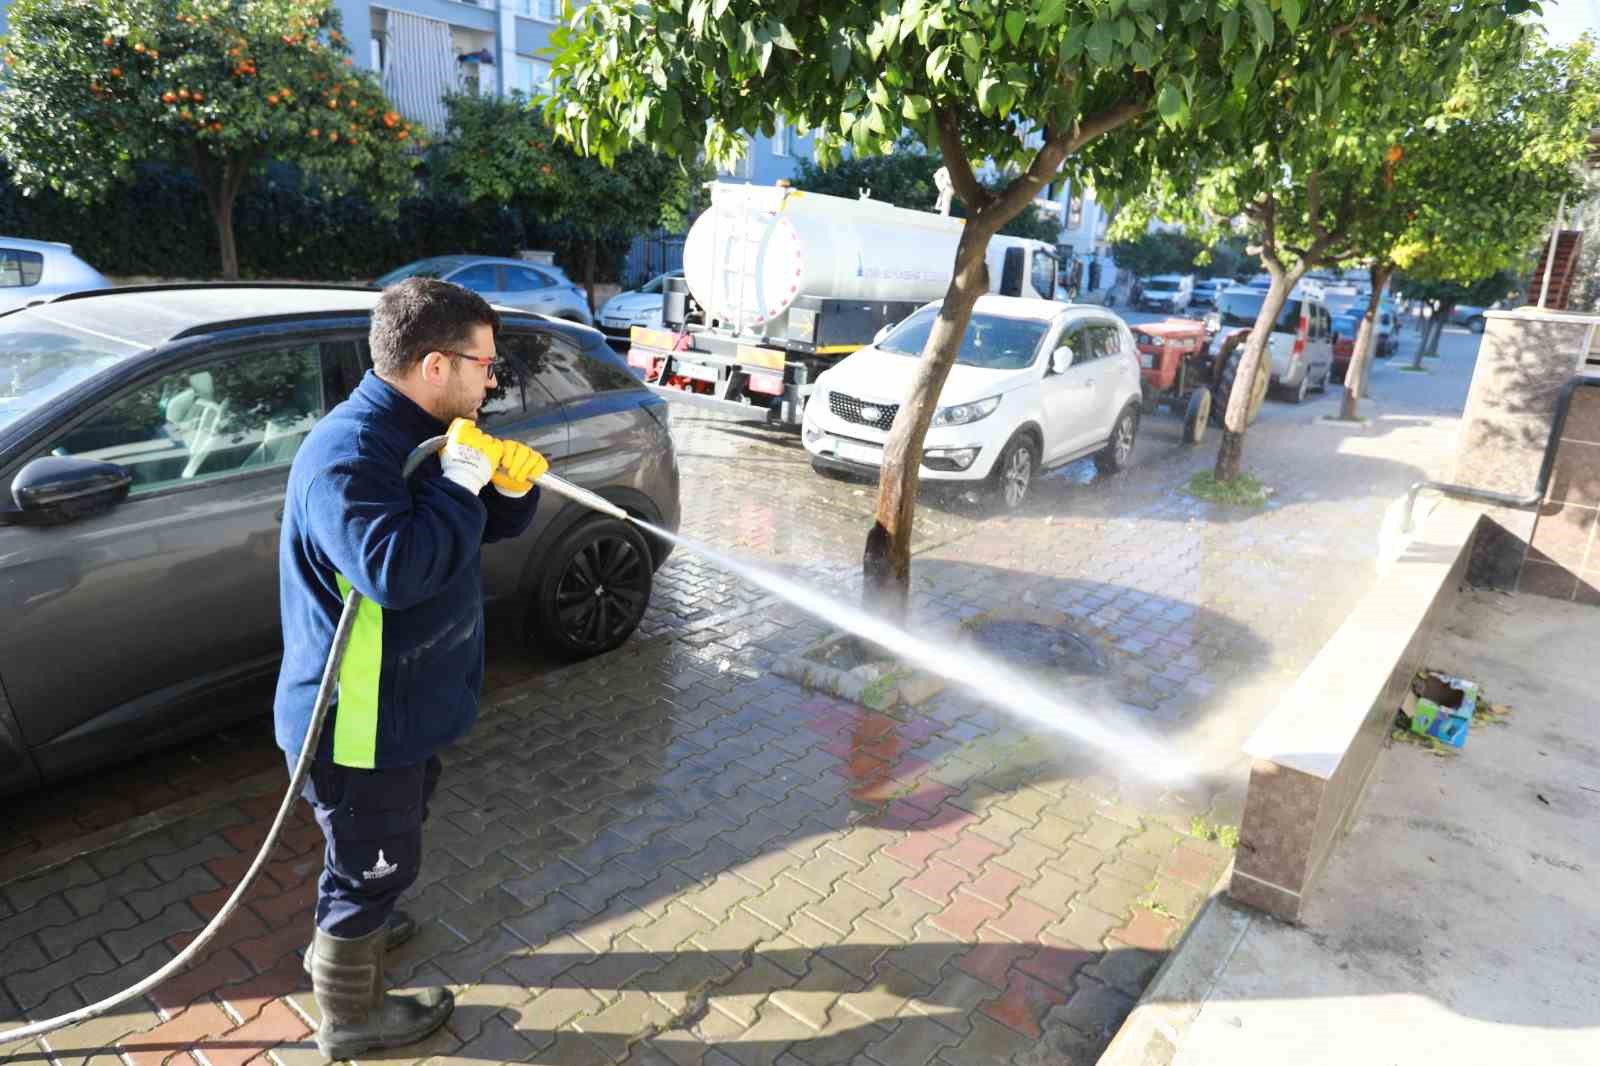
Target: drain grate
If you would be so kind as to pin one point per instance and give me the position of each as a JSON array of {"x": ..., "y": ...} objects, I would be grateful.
[{"x": 1036, "y": 644}]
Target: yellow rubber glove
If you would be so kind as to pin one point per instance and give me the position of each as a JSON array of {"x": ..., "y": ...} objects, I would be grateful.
[
  {"x": 520, "y": 466},
  {"x": 470, "y": 455}
]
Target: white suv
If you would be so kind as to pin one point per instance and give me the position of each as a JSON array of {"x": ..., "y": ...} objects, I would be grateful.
[{"x": 1035, "y": 385}]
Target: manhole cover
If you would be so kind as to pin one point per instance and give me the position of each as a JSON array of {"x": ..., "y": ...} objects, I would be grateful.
[{"x": 1035, "y": 644}]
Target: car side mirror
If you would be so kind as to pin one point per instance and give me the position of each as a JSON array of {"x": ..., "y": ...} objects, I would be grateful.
[
  {"x": 55, "y": 488},
  {"x": 1061, "y": 359}
]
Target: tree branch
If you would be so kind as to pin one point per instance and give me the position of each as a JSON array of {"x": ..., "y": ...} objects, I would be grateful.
[
  {"x": 966, "y": 183},
  {"x": 1059, "y": 144}
]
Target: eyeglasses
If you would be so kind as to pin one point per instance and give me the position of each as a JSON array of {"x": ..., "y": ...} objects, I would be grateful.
[{"x": 488, "y": 362}]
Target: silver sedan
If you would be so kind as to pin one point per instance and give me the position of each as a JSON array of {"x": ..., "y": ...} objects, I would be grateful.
[
  {"x": 506, "y": 283},
  {"x": 32, "y": 271}
]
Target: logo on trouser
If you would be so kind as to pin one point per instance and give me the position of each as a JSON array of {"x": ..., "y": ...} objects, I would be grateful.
[{"x": 381, "y": 868}]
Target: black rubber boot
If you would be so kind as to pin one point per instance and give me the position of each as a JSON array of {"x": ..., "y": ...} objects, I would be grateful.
[
  {"x": 358, "y": 1013},
  {"x": 401, "y": 927}
]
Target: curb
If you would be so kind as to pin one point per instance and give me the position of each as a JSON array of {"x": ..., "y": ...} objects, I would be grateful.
[{"x": 1155, "y": 1029}]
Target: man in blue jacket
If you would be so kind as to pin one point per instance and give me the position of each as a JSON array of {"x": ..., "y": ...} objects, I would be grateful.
[{"x": 409, "y": 681}]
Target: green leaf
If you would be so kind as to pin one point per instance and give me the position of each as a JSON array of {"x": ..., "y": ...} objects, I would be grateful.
[
  {"x": 785, "y": 40},
  {"x": 766, "y": 56},
  {"x": 1100, "y": 43},
  {"x": 1050, "y": 13},
  {"x": 971, "y": 45},
  {"x": 1170, "y": 105},
  {"x": 1230, "y": 30},
  {"x": 1142, "y": 55},
  {"x": 1244, "y": 71},
  {"x": 938, "y": 63},
  {"x": 986, "y": 94},
  {"x": 697, "y": 15},
  {"x": 841, "y": 59},
  {"x": 1291, "y": 14},
  {"x": 972, "y": 70},
  {"x": 719, "y": 8},
  {"x": 1263, "y": 20},
  {"x": 1015, "y": 20},
  {"x": 1125, "y": 31},
  {"x": 915, "y": 105}
]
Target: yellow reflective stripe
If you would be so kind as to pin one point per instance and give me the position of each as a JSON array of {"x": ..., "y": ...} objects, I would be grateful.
[{"x": 355, "y": 723}]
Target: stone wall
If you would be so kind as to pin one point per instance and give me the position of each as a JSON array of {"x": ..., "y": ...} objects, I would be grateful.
[{"x": 1526, "y": 357}]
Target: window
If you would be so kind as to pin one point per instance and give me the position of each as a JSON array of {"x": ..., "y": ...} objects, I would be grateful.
[
  {"x": 1075, "y": 213},
  {"x": 480, "y": 278},
  {"x": 531, "y": 76},
  {"x": 543, "y": 10},
  {"x": 551, "y": 361},
  {"x": 241, "y": 413},
  {"x": 19, "y": 269},
  {"x": 744, "y": 166},
  {"x": 785, "y": 139},
  {"x": 506, "y": 401},
  {"x": 1044, "y": 275},
  {"x": 375, "y": 52},
  {"x": 523, "y": 279},
  {"x": 1081, "y": 340},
  {"x": 604, "y": 373},
  {"x": 994, "y": 342},
  {"x": 1107, "y": 341}
]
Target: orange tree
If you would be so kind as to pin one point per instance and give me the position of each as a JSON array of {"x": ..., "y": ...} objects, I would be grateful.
[{"x": 93, "y": 89}]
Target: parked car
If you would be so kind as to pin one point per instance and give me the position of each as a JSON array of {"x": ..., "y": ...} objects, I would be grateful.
[
  {"x": 1167, "y": 292},
  {"x": 505, "y": 283},
  {"x": 636, "y": 307},
  {"x": 1036, "y": 385},
  {"x": 1471, "y": 317},
  {"x": 31, "y": 271},
  {"x": 1205, "y": 292},
  {"x": 145, "y": 441},
  {"x": 1345, "y": 328},
  {"x": 1301, "y": 342}
]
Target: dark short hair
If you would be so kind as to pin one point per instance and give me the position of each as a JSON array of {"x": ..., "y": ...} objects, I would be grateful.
[{"x": 421, "y": 315}]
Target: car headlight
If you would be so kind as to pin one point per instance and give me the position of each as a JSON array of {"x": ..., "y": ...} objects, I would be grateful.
[
  {"x": 1157, "y": 342},
  {"x": 962, "y": 413}
]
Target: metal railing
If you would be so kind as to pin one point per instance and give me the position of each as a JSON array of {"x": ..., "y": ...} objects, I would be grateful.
[{"x": 1505, "y": 499}]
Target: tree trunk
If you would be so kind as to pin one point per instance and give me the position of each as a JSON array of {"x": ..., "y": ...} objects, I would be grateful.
[
  {"x": 886, "y": 563},
  {"x": 221, "y": 190},
  {"x": 1355, "y": 377},
  {"x": 590, "y": 255},
  {"x": 1438, "y": 329},
  {"x": 1255, "y": 369}
]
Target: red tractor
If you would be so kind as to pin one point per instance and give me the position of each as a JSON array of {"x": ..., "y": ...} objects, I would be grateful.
[{"x": 1176, "y": 369}]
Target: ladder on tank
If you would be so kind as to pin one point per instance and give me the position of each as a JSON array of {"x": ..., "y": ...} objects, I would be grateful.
[{"x": 739, "y": 254}]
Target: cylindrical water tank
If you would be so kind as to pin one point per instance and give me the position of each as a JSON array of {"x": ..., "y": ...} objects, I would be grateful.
[{"x": 759, "y": 246}]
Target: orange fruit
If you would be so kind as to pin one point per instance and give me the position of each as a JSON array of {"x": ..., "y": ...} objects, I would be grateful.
[
  {"x": 116, "y": 72},
  {"x": 169, "y": 97}
]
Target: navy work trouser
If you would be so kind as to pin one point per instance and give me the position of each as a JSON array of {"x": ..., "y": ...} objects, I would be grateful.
[{"x": 372, "y": 822}]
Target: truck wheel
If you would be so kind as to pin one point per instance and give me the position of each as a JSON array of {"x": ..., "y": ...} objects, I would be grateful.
[
  {"x": 592, "y": 590},
  {"x": 1118, "y": 451},
  {"x": 1197, "y": 415},
  {"x": 1012, "y": 477}
]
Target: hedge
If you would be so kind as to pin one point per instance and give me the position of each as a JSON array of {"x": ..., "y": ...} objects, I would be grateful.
[{"x": 160, "y": 225}]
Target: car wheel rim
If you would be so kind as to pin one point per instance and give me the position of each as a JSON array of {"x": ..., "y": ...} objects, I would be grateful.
[
  {"x": 602, "y": 592},
  {"x": 1124, "y": 440},
  {"x": 1019, "y": 471}
]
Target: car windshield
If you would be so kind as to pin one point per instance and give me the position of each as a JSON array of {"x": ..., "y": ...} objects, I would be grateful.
[
  {"x": 422, "y": 268},
  {"x": 992, "y": 342},
  {"x": 1158, "y": 285},
  {"x": 40, "y": 359},
  {"x": 1241, "y": 308}
]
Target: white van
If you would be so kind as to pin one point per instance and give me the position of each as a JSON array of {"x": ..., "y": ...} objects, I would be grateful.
[{"x": 1167, "y": 292}]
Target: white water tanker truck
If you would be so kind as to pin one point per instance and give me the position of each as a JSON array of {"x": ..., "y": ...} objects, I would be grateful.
[{"x": 779, "y": 284}]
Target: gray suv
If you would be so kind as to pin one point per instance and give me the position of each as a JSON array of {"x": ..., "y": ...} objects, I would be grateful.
[{"x": 145, "y": 441}]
